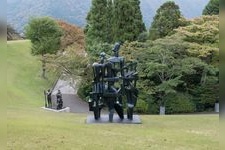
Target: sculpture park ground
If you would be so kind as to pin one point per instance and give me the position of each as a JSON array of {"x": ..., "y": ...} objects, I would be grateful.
[{"x": 30, "y": 127}]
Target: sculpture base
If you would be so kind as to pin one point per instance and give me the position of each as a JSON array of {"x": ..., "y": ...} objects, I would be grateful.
[
  {"x": 105, "y": 119},
  {"x": 66, "y": 109}
]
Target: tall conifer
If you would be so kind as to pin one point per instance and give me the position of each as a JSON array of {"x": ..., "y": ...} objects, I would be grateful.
[
  {"x": 166, "y": 19},
  {"x": 212, "y": 8},
  {"x": 128, "y": 23},
  {"x": 97, "y": 24}
]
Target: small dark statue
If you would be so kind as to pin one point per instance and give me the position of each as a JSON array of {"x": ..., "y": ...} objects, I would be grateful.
[
  {"x": 59, "y": 100},
  {"x": 113, "y": 80}
]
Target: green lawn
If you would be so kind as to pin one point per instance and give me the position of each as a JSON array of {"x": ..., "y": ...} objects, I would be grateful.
[{"x": 30, "y": 128}]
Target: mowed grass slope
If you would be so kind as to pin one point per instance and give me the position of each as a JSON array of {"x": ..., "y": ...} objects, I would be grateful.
[{"x": 31, "y": 128}]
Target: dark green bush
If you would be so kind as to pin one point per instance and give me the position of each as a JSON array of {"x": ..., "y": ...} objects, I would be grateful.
[
  {"x": 84, "y": 90},
  {"x": 141, "y": 106},
  {"x": 179, "y": 103},
  {"x": 143, "y": 37}
]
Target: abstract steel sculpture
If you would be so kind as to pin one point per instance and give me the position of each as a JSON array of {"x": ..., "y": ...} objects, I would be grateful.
[{"x": 113, "y": 80}]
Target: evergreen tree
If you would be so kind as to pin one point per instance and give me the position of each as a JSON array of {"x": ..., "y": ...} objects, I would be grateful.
[
  {"x": 166, "y": 19},
  {"x": 97, "y": 22},
  {"x": 109, "y": 21},
  {"x": 128, "y": 23},
  {"x": 212, "y": 8}
]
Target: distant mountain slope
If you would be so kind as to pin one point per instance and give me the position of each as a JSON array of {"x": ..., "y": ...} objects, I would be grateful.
[{"x": 75, "y": 11}]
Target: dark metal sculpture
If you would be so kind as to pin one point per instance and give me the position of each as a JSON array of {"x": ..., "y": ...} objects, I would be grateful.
[
  {"x": 113, "y": 80},
  {"x": 59, "y": 100}
]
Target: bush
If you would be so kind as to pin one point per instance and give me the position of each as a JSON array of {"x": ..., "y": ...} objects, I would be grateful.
[
  {"x": 97, "y": 48},
  {"x": 141, "y": 106},
  {"x": 143, "y": 37},
  {"x": 153, "y": 107},
  {"x": 83, "y": 91},
  {"x": 179, "y": 103}
]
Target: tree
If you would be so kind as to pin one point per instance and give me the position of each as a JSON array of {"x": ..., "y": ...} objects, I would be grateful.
[
  {"x": 71, "y": 35},
  {"x": 128, "y": 23},
  {"x": 44, "y": 34},
  {"x": 164, "y": 68},
  {"x": 212, "y": 8},
  {"x": 179, "y": 69},
  {"x": 98, "y": 22},
  {"x": 166, "y": 19},
  {"x": 109, "y": 14},
  {"x": 202, "y": 38}
]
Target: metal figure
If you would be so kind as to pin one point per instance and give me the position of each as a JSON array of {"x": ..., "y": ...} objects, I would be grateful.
[
  {"x": 59, "y": 100},
  {"x": 113, "y": 79}
]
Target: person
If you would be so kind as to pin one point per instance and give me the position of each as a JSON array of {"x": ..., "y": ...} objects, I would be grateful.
[
  {"x": 49, "y": 98},
  {"x": 59, "y": 100}
]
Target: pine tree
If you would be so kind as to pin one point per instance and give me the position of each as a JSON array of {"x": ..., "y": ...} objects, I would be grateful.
[
  {"x": 138, "y": 17},
  {"x": 97, "y": 22},
  {"x": 212, "y": 8},
  {"x": 166, "y": 19},
  {"x": 109, "y": 20},
  {"x": 128, "y": 23}
]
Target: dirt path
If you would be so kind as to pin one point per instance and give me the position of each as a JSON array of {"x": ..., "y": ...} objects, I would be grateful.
[
  {"x": 70, "y": 97},
  {"x": 68, "y": 89}
]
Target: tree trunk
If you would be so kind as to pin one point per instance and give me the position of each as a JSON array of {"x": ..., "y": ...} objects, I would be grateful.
[
  {"x": 162, "y": 108},
  {"x": 43, "y": 66}
]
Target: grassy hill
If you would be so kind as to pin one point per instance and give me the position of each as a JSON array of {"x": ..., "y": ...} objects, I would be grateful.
[
  {"x": 24, "y": 85},
  {"x": 30, "y": 127},
  {"x": 75, "y": 12}
]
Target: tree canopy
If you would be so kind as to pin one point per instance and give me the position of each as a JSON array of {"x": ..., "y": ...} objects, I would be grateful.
[
  {"x": 166, "y": 19},
  {"x": 179, "y": 71},
  {"x": 44, "y": 34},
  {"x": 212, "y": 8},
  {"x": 128, "y": 23},
  {"x": 109, "y": 21}
]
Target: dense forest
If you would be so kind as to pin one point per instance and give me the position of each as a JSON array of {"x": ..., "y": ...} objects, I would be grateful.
[{"x": 177, "y": 57}]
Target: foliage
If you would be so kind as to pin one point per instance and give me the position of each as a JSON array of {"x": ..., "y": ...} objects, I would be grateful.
[
  {"x": 111, "y": 21},
  {"x": 180, "y": 103},
  {"x": 166, "y": 19},
  {"x": 97, "y": 47},
  {"x": 86, "y": 83},
  {"x": 212, "y": 8},
  {"x": 206, "y": 95},
  {"x": 202, "y": 37},
  {"x": 97, "y": 22},
  {"x": 71, "y": 58},
  {"x": 128, "y": 23},
  {"x": 44, "y": 34},
  {"x": 143, "y": 37},
  {"x": 179, "y": 65},
  {"x": 141, "y": 107},
  {"x": 71, "y": 34}
]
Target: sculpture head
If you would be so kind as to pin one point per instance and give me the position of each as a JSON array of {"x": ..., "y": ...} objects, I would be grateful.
[
  {"x": 116, "y": 49},
  {"x": 102, "y": 57}
]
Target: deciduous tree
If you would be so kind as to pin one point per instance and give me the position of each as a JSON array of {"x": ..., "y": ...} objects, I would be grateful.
[{"x": 44, "y": 34}]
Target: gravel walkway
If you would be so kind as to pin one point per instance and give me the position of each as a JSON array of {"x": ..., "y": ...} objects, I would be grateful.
[{"x": 70, "y": 97}]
